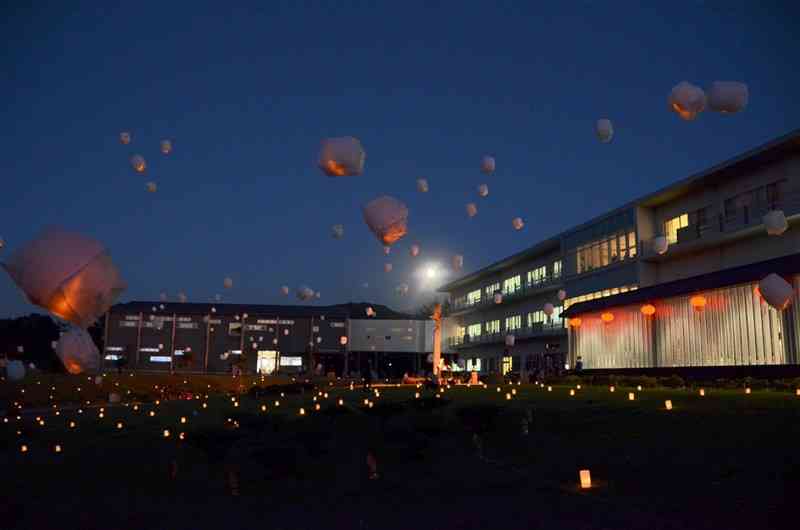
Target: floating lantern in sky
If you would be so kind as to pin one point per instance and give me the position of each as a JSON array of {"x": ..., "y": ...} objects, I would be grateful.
[
  {"x": 387, "y": 218},
  {"x": 775, "y": 222},
  {"x": 562, "y": 294},
  {"x": 727, "y": 97},
  {"x": 402, "y": 289},
  {"x": 166, "y": 146},
  {"x": 472, "y": 209},
  {"x": 604, "y": 130},
  {"x": 68, "y": 274},
  {"x": 776, "y": 291},
  {"x": 15, "y": 370},
  {"x": 387, "y": 251},
  {"x": 687, "y": 100},
  {"x": 483, "y": 190},
  {"x": 341, "y": 157},
  {"x": 305, "y": 293},
  {"x": 124, "y": 138},
  {"x": 370, "y": 311},
  {"x": 458, "y": 262},
  {"x": 151, "y": 187},
  {"x": 77, "y": 351},
  {"x": 387, "y": 267},
  {"x": 138, "y": 164},
  {"x": 498, "y": 298},
  {"x": 548, "y": 309},
  {"x": 414, "y": 250},
  {"x": 648, "y": 310},
  {"x": 182, "y": 298},
  {"x": 488, "y": 164},
  {"x": 517, "y": 223},
  {"x": 285, "y": 290},
  {"x": 422, "y": 185},
  {"x": 510, "y": 339},
  {"x": 660, "y": 245},
  {"x": 338, "y": 231},
  {"x": 227, "y": 283},
  {"x": 2, "y": 242}
]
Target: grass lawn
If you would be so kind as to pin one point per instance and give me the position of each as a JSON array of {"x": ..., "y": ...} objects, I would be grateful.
[{"x": 726, "y": 460}]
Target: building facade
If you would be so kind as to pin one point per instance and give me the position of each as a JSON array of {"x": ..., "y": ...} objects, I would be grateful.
[{"x": 713, "y": 224}]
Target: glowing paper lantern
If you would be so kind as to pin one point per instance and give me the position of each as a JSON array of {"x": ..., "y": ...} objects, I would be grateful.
[
  {"x": 387, "y": 267},
  {"x": 668, "y": 404},
  {"x": 607, "y": 317},
  {"x": 370, "y": 311},
  {"x": 124, "y": 138},
  {"x": 727, "y": 97},
  {"x": 648, "y": 310},
  {"x": 78, "y": 352},
  {"x": 747, "y": 390},
  {"x": 702, "y": 391},
  {"x": 151, "y": 187},
  {"x": 604, "y": 130},
  {"x": 387, "y": 218},
  {"x": 138, "y": 164},
  {"x": 343, "y": 340},
  {"x": 305, "y": 293},
  {"x": 562, "y": 295},
  {"x": 387, "y": 251},
  {"x": 458, "y": 262},
  {"x": 285, "y": 290},
  {"x": 414, "y": 250},
  {"x": 340, "y": 157},
  {"x": 166, "y": 146},
  {"x": 660, "y": 245},
  {"x": 15, "y": 370},
  {"x": 775, "y": 222},
  {"x": 483, "y": 190},
  {"x": 631, "y": 396},
  {"x": 488, "y": 164},
  {"x": 687, "y": 100},
  {"x": 472, "y": 209},
  {"x": 338, "y": 231},
  {"x": 517, "y": 223},
  {"x": 68, "y": 274},
  {"x": 227, "y": 283},
  {"x": 422, "y": 185},
  {"x": 548, "y": 309},
  {"x": 575, "y": 322},
  {"x": 510, "y": 339},
  {"x": 698, "y": 302},
  {"x": 586, "y": 479},
  {"x": 776, "y": 291},
  {"x": 498, "y": 298}
]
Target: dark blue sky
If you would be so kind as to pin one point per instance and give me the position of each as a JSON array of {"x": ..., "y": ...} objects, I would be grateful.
[{"x": 247, "y": 93}]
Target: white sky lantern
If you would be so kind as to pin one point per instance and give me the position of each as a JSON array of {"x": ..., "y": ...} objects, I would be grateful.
[
  {"x": 70, "y": 275},
  {"x": 387, "y": 267},
  {"x": 498, "y": 298},
  {"x": 285, "y": 290},
  {"x": 775, "y": 222},
  {"x": 387, "y": 218},
  {"x": 15, "y": 370},
  {"x": 458, "y": 262},
  {"x": 182, "y": 298},
  {"x": 472, "y": 209},
  {"x": 317, "y": 295},
  {"x": 562, "y": 294},
  {"x": 342, "y": 157},
  {"x": 305, "y": 293},
  {"x": 338, "y": 231},
  {"x": 151, "y": 187},
  {"x": 387, "y": 251},
  {"x": 517, "y": 223},
  {"x": 548, "y": 309},
  {"x": 776, "y": 291},
  {"x": 402, "y": 289},
  {"x": 422, "y": 185},
  {"x": 370, "y": 311},
  {"x": 483, "y": 190},
  {"x": 687, "y": 100},
  {"x": 488, "y": 164},
  {"x": 227, "y": 283},
  {"x": 78, "y": 352},
  {"x": 124, "y": 137},
  {"x": 2, "y": 242},
  {"x": 414, "y": 250},
  {"x": 138, "y": 164},
  {"x": 660, "y": 244},
  {"x": 604, "y": 130},
  {"x": 510, "y": 340},
  {"x": 727, "y": 97},
  {"x": 166, "y": 146}
]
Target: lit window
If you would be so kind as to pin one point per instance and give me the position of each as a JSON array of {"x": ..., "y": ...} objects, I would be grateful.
[
  {"x": 513, "y": 322},
  {"x": 507, "y": 364},
  {"x": 473, "y": 365},
  {"x": 537, "y": 276},
  {"x": 491, "y": 289},
  {"x": 291, "y": 361},
  {"x": 474, "y": 330},
  {"x": 537, "y": 317},
  {"x": 672, "y": 226},
  {"x": 460, "y": 331},
  {"x": 474, "y": 297},
  {"x": 493, "y": 326},
  {"x": 512, "y": 285},
  {"x": 159, "y": 358},
  {"x": 113, "y": 357}
]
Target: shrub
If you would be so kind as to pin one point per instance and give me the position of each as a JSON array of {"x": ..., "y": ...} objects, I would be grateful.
[
  {"x": 673, "y": 381},
  {"x": 493, "y": 379}
]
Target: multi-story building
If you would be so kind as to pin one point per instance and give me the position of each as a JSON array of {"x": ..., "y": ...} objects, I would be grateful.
[{"x": 717, "y": 245}]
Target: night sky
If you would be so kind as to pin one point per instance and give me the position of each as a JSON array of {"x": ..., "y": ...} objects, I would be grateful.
[{"x": 246, "y": 94}]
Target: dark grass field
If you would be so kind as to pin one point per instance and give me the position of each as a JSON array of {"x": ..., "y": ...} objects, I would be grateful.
[{"x": 726, "y": 460}]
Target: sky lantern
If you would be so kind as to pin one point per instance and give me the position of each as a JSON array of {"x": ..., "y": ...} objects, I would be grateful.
[
  {"x": 182, "y": 297},
  {"x": 458, "y": 262},
  {"x": 305, "y": 293},
  {"x": 151, "y": 187},
  {"x": 727, "y": 97},
  {"x": 483, "y": 190},
  {"x": 138, "y": 164},
  {"x": 387, "y": 267},
  {"x": 337, "y": 231},
  {"x": 607, "y": 317},
  {"x": 124, "y": 137},
  {"x": 517, "y": 223},
  {"x": 698, "y": 302},
  {"x": 414, "y": 250},
  {"x": 510, "y": 340},
  {"x": 648, "y": 310},
  {"x": 387, "y": 251},
  {"x": 370, "y": 311},
  {"x": 498, "y": 298},
  {"x": 2, "y": 242},
  {"x": 342, "y": 157},
  {"x": 687, "y": 100},
  {"x": 317, "y": 295},
  {"x": 70, "y": 275},
  {"x": 488, "y": 164},
  {"x": 227, "y": 283},
  {"x": 776, "y": 291},
  {"x": 575, "y": 322},
  {"x": 660, "y": 245},
  {"x": 402, "y": 289},
  {"x": 604, "y": 130},
  {"x": 77, "y": 351},
  {"x": 472, "y": 209},
  {"x": 285, "y": 290},
  {"x": 166, "y": 146},
  {"x": 387, "y": 218},
  {"x": 775, "y": 222},
  {"x": 422, "y": 185},
  {"x": 548, "y": 309}
]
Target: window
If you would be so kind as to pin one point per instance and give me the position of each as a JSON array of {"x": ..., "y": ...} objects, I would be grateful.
[
  {"x": 513, "y": 322},
  {"x": 602, "y": 253},
  {"x": 507, "y": 364},
  {"x": 113, "y": 357},
  {"x": 557, "y": 269},
  {"x": 598, "y": 294},
  {"x": 473, "y": 297},
  {"x": 474, "y": 330},
  {"x": 491, "y": 289},
  {"x": 128, "y": 324},
  {"x": 188, "y": 325},
  {"x": 474, "y": 365},
  {"x": 291, "y": 361},
  {"x": 235, "y": 329},
  {"x": 555, "y": 318},
  {"x": 537, "y": 276},
  {"x": 160, "y": 358},
  {"x": 460, "y": 331},
  {"x": 492, "y": 327},
  {"x": 671, "y": 227},
  {"x": 537, "y": 317},
  {"x": 699, "y": 218},
  {"x": 512, "y": 285}
]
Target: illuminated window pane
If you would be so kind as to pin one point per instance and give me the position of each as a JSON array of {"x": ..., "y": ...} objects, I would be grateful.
[
  {"x": 474, "y": 330},
  {"x": 474, "y": 297},
  {"x": 493, "y": 326}
]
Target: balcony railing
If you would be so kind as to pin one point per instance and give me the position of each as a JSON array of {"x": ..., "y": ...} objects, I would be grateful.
[
  {"x": 526, "y": 289},
  {"x": 537, "y": 329}
]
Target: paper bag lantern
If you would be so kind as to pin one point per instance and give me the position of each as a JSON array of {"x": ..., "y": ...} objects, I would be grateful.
[
  {"x": 124, "y": 138},
  {"x": 483, "y": 190},
  {"x": 458, "y": 262},
  {"x": 472, "y": 209},
  {"x": 166, "y": 146},
  {"x": 341, "y": 157},
  {"x": 138, "y": 164},
  {"x": 660, "y": 245},
  {"x": 548, "y": 309},
  {"x": 414, "y": 250},
  {"x": 422, "y": 185},
  {"x": 510, "y": 339},
  {"x": 776, "y": 291},
  {"x": 498, "y": 298},
  {"x": 604, "y": 130},
  {"x": 727, "y": 97},
  {"x": 586, "y": 479},
  {"x": 78, "y": 352},
  {"x": 488, "y": 164},
  {"x": 517, "y": 223},
  {"x": 338, "y": 231},
  {"x": 305, "y": 293},
  {"x": 285, "y": 290},
  {"x": 15, "y": 370},
  {"x": 70, "y": 275},
  {"x": 775, "y": 222},
  {"x": 607, "y": 317},
  {"x": 687, "y": 100},
  {"x": 387, "y": 218},
  {"x": 562, "y": 295},
  {"x": 227, "y": 283}
]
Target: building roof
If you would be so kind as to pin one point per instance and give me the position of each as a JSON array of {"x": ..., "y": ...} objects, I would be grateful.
[
  {"x": 784, "y": 266},
  {"x": 350, "y": 310},
  {"x": 770, "y": 151}
]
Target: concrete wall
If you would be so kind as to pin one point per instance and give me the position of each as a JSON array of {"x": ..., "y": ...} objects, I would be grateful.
[{"x": 391, "y": 336}]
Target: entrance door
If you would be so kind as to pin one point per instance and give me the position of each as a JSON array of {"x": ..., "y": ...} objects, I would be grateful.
[{"x": 267, "y": 362}]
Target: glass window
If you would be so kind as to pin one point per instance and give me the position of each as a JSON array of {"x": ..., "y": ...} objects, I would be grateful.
[
  {"x": 474, "y": 365},
  {"x": 474, "y": 330},
  {"x": 235, "y": 329},
  {"x": 603, "y": 253},
  {"x": 557, "y": 269},
  {"x": 537, "y": 317},
  {"x": 491, "y": 289},
  {"x": 507, "y": 364},
  {"x": 460, "y": 331},
  {"x": 537, "y": 275},
  {"x": 671, "y": 227},
  {"x": 512, "y": 285},
  {"x": 473, "y": 297},
  {"x": 555, "y": 318},
  {"x": 493, "y": 326},
  {"x": 513, "y": 322}
]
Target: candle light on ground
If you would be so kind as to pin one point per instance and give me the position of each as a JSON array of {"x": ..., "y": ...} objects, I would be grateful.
[
  {"x": 549, "y": 388},
  {"x": 578, "y": 387},
  {"x": 302, "y": 411},
  {"x": 611, "y": 389},
  {"x": 586, "y": 479},
  {"x": 316, "y": 407},
  {"x": 119, "y": 425},
  {"x": 341, "y": 402},
  {"x": 416, "y": 395},
  {"x": 183, "y": 419},
  {"x": 668, "y": 404},
  {"x": 166, "y": 433},
  {"x": 747, "y": 390},
  {"x": 639, "y": 388},
  {"x": 508, "y": 396},
  {"x": 702, "y": 391},
  {"x": 571, "y": 392},
  {"x": 631, "y": 396}
]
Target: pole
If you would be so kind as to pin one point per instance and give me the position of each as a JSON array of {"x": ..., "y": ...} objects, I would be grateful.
[
  {"x": 172, "y": 347},
  {"x": 139, "y": 338},
  {"x": 105, "y": 341},
  {"x": 208, "y": 343},
  {"x": 437, "y": 340}
]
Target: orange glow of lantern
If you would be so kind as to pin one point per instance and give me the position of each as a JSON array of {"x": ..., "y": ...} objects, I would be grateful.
[
  {"x": 152, "y": 413},
  {"x": 166, "y": 433},
  {"x": 698, "y": 302},
  {"x": 508, "y": 396},
  {"x": 747, "y": 390},
  {"x": 263, "y": 408},
  {"x": 549, "y": 388},
  {"x": 341, "y": 402},
  {"x": 575, "y": 322},
  {"x": 668, "y": 404},
  {"x": 416, "y": 395},
  {"x": 578, "y": 387},
  {"x": 277, "y": 403},
  {"x": 514, "y": 391},
  {"x": 119, "y": 425},
  {"x": 586, "y": 479},
  {"x": 302, "y": 411},
  {"x": 611, "y": 389},
  {"x": 316, "y": 407},
  {"x": 183, "y": 419},
  {"x": 631, "y": 396},
  {"x": 648, "y": 310},
  {"x": 639, "y": 388},
  {"x": 72, "y": 425},
  {"x": 571, "y": 392},
  {"x": 498, "y": 389},
  {"x": 702, "y": 391},
  {"x": 797, "y": 392},
  {"x": 23, "y": 448},
  {"x": 607, "y": 317}
]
